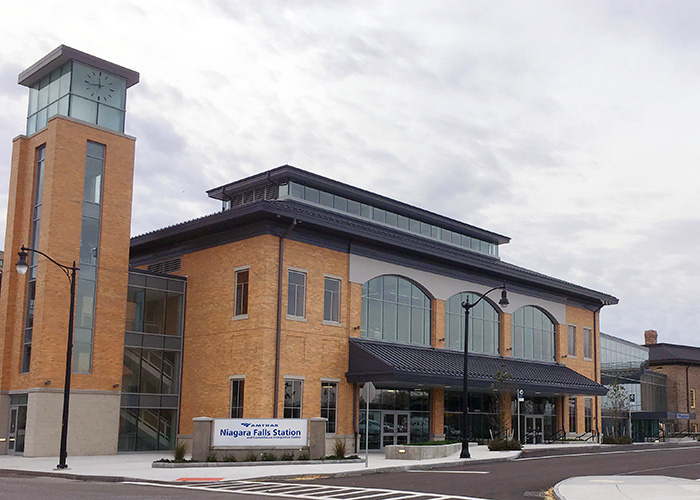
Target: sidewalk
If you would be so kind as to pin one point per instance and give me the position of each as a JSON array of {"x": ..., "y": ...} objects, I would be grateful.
[
  {"x": 138, "y": 466},
  {"x": 627, "y": 487}
]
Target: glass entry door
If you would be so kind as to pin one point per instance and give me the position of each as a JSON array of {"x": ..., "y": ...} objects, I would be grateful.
[
  {"x": 395, "y": 428},
  {"x": 18, "y": 427},
  {"x": 533, "y": 430}
]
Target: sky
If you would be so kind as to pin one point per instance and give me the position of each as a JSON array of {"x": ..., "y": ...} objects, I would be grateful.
[{"x": 571, "y": 127}]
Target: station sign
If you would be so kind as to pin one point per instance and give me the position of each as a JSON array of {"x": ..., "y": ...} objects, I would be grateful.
[{"x": 260, "y": 432}]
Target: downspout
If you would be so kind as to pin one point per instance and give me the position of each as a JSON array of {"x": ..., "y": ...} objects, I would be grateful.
[
  {"x": 687, "y": 395},
  {"x": 595, "y": 365},
  {"x": 278, "y": 341}
]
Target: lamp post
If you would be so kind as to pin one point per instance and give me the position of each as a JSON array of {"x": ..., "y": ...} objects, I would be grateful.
[
  {"x": 465, "y": 381},
  {"x": 69, "y": 271}
]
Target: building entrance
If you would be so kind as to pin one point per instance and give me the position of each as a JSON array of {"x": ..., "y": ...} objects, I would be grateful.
[
  {"x": 395, "y": 428},
  {"x": 18, "y": 424},
  {"x": 533, "y": 429}
]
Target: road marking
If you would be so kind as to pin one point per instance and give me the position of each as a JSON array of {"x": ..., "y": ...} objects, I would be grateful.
[
  {"x": 308, "y": 491},
  {"x": 200, "y": 479},
  {"x": 603, "y": 453},
  {"x": 660, "y": 468},
  {"x": 452, "y": 471}
]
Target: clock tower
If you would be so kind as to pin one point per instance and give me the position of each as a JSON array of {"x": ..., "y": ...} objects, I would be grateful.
[{"x": 69, "y": 197}]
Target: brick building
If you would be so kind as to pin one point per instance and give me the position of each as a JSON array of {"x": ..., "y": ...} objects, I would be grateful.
[
  {"x": 281, "y": 305},
  {"x": 681, "y": 366}
]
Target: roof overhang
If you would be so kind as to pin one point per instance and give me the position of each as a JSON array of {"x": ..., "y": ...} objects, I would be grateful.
[
  {"x": 387, "y": 364},
  {"x": 61, "y": 55}
]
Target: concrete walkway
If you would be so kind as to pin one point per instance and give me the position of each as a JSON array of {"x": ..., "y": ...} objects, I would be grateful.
[{"x": 627, "y": 487}]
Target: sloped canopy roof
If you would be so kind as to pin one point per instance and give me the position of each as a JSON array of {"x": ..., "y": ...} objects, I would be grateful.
[
  {"x": 386, "y": 363},
  {"x": 673, "y": 354}
]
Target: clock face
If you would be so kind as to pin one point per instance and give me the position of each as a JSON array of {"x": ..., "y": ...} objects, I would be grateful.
[{"x": 99, "y": 86}]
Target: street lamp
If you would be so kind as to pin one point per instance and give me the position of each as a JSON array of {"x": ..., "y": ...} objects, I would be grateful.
[
  {"x": 465, "y": 381},
  {"x": 69, "y": 271}
]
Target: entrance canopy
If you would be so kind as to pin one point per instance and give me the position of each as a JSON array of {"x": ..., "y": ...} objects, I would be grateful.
[{"x": 397, "y": 365}]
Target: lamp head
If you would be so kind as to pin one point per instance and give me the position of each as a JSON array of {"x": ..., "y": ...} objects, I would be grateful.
[
  {"x": 22, "y": 265},
  {"x": 504, "y": 299}
]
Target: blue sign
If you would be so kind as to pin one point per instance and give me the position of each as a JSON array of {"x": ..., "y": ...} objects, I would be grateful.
[{"x": 683, "y": 416}]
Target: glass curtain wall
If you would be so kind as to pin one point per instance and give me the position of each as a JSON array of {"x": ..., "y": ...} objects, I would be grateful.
[
  {"x": 484, "y": 324},
  {"x": 389, "y": 406},
  {"x": 533, "y": 334},
  {"x": 484, "y": 416},
  {"x": 152, "y": 359}
]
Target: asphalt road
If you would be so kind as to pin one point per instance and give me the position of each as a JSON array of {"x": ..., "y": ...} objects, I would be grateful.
[
  {"x": 526, "y": 477},
  {"x": 536, "y": 472}
]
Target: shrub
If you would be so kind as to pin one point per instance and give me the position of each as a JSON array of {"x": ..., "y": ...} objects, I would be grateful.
[
  {"x": 269, "y": 457},
  {"x": 339, "y": 448},
  {"x": 180, "y": 451},
  {"x": 230, "y": 458},
  {"x": 504, "y": 445},
  {"x": 616, "y": 440},
  {"x": 287, "y": 457},
  {"x": 303, "y": 455},
  {"x": 211, "y": 457},
  {"x": 251, "y": 457}
]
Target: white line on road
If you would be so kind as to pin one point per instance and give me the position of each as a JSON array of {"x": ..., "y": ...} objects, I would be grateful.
[
  {"x": 602, "y": 453},
  {"x": 452, "y": 471}
]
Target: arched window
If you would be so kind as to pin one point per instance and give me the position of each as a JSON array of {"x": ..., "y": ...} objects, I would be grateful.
[
  {"x": 532, "y": 334},
  {"x": 395, "y": 309},
  {"x": 484, "y": 324}
]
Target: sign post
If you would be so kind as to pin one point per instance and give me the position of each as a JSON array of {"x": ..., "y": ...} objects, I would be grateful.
[
  {"x": 367, "y": 392},
  {"x": 629, "y": 411},
  {"x": 521, "y": 398}
]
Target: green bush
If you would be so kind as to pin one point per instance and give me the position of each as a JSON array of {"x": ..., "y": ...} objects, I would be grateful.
[
  {"x": 269, "y": 457},
  {"x": 251, "y": 457},
  {"x": 211, "y": 458},
  {"x": 287, "y": 457},
  {"x": 180, "y": 451},
  {"x": 616, "y": 440},
  {"x": 230, "y": 458},
  {"x": 504, "y": 445},
  {"x": 303, "y": 455}
]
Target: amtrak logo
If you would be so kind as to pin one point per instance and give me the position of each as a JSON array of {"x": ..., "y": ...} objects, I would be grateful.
[{"x": 251, "y": 424}]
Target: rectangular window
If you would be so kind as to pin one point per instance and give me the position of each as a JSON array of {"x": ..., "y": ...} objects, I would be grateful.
[
  {"x": 572, "y": 414},
  {"x": 293, "y": 392},
  {"x": 588, "y": 402},
  {"x": 241, "y": 307},
  {"x": 296, "y": 294},
  {"x": 572, "y": 341},
  {"x": 587, "y": 348},
  {"x": 329, "y": 404},
  {"x": 237, "y": 398},
  {"x": 331, "y": 300},
  {"x": 692, "y": 398}
]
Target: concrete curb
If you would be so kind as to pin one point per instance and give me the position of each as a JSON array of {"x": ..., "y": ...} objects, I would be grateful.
[
  {"x": 556, "y": 492},
  {"x": 191, "y": 465}
]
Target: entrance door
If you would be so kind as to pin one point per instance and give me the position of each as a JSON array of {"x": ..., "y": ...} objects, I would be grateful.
[
  {"x": 533, "y": 430},
  {"x": 18, "y": 427},
  {"x": 395, "y": 428}
]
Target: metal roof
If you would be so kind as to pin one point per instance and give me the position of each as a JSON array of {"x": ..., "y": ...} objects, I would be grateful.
[
  {"x": 61, "y": 55},
  {"x": 673, "y": 354},
  {"x": 387, "y": 363}
]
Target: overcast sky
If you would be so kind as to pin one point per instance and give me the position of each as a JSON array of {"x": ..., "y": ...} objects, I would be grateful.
[{"x": 571, "y": 127}]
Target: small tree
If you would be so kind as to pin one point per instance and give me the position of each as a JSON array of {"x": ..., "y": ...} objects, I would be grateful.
[
  {"x": 618, "y": 404},
  {"x": 503, "y": 389}
]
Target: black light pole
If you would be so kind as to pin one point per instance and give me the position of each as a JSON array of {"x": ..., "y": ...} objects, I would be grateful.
[
  {"x": 465, "y": 380},
  {"x": 69, "y": 271}
]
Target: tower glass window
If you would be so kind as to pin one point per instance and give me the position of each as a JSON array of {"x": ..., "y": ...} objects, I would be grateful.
[
  {"x": 329, "y": 404},
  {"x": 331, "y": 300},
  {"x": 395, "y": 309},
  {"x": 293, "y": 392},
  {"x": 296, "y": 296},
  {"x": 241, "y": 306},
  {"x": 572, "y": 340},
  {"x": 587, "y": 343},
  {"x": 532, "y": 334},
  {"x": 484, "y": 324},
  {"x": 237, "y": 386}
]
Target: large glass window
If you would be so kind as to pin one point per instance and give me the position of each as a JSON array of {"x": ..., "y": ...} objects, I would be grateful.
[
  {"x": 588, "y": 416},
  {"x": 241, "y": 307},
  {"x": 296, "y": 294},
  {"x": 152, "y": 362},
  {"x": 532, "y": 334},
  {"x": 587, "y": 343},
  {"x": 31, "y": 275},
  {"x": 331, "y": 300},
  {"x": 484, "y": 324},
  {"x": 572, "y": 414},
  {"x": 572, "y": 340},
  {"x": 293, "y": 395},
  {"x": 329, "y": 405},
  {"x": 237, "y": 385},
  {"x": 395, "y": 309}
]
